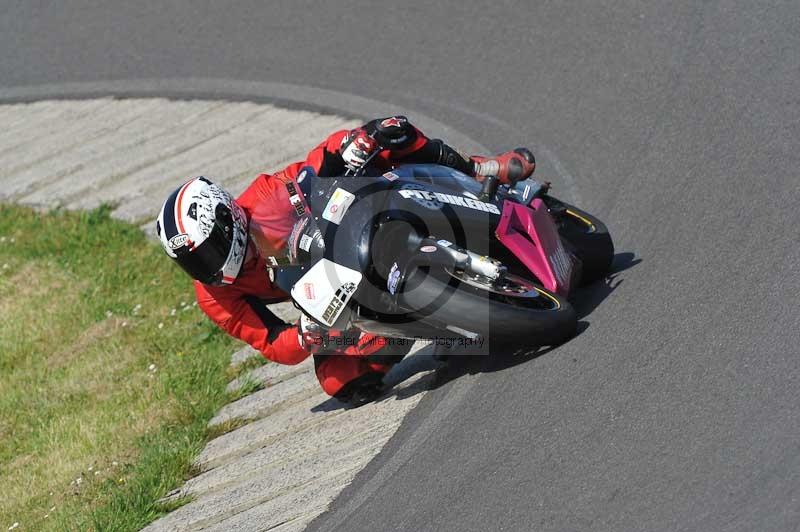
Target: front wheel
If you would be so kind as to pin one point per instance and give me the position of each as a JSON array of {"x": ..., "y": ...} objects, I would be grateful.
[
  {"x": 585, "y": 236},
  {"x": 512, "y": 309}
]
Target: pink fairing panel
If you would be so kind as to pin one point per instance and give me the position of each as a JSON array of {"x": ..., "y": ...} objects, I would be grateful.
[{"x": 530, "y": 234}]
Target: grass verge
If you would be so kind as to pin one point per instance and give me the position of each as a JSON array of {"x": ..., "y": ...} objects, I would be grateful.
[{"x": 108, "y": 372}]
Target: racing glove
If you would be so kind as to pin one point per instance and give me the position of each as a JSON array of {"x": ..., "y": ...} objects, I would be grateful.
[
  {"x": 316, "y": 338},
  {"x": 357, "y": 146},
  {"x": 312, "y": 336},
  {"x": 508, "y": 167}
]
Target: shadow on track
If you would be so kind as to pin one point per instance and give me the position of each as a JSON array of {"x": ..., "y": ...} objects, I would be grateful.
[
  {"x": 502, "y": 357},
  {"x": 499, "y": 357},
  {"x": 588, "y": 298}
]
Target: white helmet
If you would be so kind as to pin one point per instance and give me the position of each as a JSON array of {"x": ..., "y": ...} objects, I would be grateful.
[{"x": 205, "y": 231}]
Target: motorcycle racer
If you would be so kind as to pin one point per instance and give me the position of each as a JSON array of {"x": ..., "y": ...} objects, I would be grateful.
[{"x": 226, "y": 244}]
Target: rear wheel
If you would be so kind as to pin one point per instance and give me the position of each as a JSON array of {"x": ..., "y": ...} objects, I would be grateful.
[
  {"x": 585, "y": 236},
  {"x": 512, "y": 309}
]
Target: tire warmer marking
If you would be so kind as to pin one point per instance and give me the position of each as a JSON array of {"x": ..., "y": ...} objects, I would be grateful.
[
  {"x": 581, "y": 218},
  {"x": 548, "y": 296}
]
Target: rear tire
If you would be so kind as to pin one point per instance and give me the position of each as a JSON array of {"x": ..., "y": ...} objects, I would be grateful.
[
  {"x": 536, "y": 318},
  {"x": 586, "y": 237}
]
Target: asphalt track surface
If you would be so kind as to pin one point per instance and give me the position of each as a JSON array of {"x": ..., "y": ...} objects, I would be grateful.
[{"x": 678, "y": 406}]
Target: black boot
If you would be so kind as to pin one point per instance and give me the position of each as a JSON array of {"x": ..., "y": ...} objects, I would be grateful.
[{"x": 362, "y": 390}]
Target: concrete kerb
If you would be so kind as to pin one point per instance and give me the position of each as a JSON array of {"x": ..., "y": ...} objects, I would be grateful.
[
  {"x": 280, "y": 94},
  {"x": 303, "y": 408}
]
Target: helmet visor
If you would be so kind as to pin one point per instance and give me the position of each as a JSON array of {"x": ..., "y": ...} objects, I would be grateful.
[{"x": 205, "y": 262}]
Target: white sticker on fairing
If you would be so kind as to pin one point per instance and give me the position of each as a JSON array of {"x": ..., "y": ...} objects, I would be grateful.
[
  {"x": 331, "y": 285},
  {"x": 391, "y": 176},
  {"x": 394, "y": 277},
  {"x": 562, "y": 265},
  {"x": 444, "y": 243},
  {"x": 308, "y": 291},
  {"x": 461, "y": 201},
  {"x": 305, "y": 242},
  {"x": 337, "y": 206}
]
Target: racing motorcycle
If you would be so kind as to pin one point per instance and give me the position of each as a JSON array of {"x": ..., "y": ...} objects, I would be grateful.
[{"x": 425, "y": 251}]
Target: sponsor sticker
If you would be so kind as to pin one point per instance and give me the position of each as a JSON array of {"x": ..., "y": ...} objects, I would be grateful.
[
  {"x": 349, "y": 288},
  {"x": 308, "y": 290},
  {"x": 337, "y": 206},
  {"x": 305, "y": 242},
  {"x": 178, "y": 241},
  {"x": 444, "y": 243},
  {"x": 561, "y": 264},
  {"x": 391, "y": 176},
  {"x": 427, "y": 249},
  {"x": 461, "y": 201},
  {"x": 394, "y": 277},
  {"x": 337, "y": 304},
  {"x": 419, "y": 199}
]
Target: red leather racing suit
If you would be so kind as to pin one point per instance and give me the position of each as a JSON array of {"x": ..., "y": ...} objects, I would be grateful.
[{"x": 240, "y": 308}]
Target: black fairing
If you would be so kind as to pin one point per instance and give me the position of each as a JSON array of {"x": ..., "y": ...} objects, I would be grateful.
[{"x": 383, "y": 227}]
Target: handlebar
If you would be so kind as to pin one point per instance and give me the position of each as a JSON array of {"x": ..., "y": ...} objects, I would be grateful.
[
  {"x": 492, "y": 183},
  {"x": 489, "y": 189}
]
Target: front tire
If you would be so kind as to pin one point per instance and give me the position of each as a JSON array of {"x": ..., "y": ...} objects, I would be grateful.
[
  {"x": 586, "y": 237},
  {"x": 526, "y": 313}
]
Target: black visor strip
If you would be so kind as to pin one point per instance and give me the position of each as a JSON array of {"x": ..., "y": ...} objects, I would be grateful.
[
  {"x": 170, "y": 228},
  {"x": 206, "y": 260}
]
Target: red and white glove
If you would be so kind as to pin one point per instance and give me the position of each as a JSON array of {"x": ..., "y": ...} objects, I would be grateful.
[
  {"x": 357, "y": 146},
  {"x": 508, "y": 167}
]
